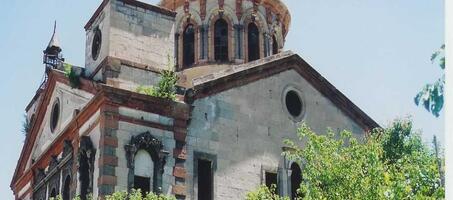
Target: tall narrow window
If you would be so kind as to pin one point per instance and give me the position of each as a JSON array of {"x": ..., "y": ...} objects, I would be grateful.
[
  {"x": 296, "y": 179},
  {"x": 189, "y": 46},
  {"x": 205, "y": 180},
  {"x": 66, "y": 188},
  {"x": 221, "y": 40},
  {"x": 84, "y": 170},
  {"x": 253, "y": 42},
  {"x": 274, "y": 45},
  {"x": 143, "y": 172}
]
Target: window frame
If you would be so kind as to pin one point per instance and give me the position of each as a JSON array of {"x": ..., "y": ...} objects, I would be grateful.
[{"x": 206, "y": 157}]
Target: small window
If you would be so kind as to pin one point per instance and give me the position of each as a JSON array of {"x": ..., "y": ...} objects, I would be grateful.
[
  {"x": 293, "y": 103},
  {"x": 271, "y": 179},
  {"x": 253, "y": 42},
  {"x": 96, "y": 45},
  {"x": 205, "y": 180},
  {"x": 55, "y": 116},
  {"x": 296, "y": 179},
  {"x": 221, "y": 40},
  {"x": 189, "y": 46}
]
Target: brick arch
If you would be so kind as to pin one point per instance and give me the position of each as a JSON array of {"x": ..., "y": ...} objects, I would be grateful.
[
  {"x": 261, "y": 23},
  {"x": 231, "y": 42},
  {"x": 181, "y": 28},
  {"x": 181, "y": 19}
]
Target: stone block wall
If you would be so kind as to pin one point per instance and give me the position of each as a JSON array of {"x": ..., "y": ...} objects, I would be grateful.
[
  {"x": 245, "y": 128},
  {"x": 141, "y": 35}
]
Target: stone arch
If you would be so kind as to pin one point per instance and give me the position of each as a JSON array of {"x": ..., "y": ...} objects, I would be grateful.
[
  {"x": 261, "y": 23},
  {"x": 230, "y": 23},
  {"x": 145, "y": 141},
  {"x": 181, "y": 19},
  {"x": 228, "y": 12},
  {"x": 180, "y": 44}
]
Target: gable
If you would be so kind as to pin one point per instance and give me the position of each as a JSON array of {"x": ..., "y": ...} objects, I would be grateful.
[
  {"x": 68, "y": 100},
  {"x": 241, "y": 75},
  {"x": 40, "y": 104}
]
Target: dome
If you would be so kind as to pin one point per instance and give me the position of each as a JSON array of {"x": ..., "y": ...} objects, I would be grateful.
[
  {"x": 276, "y": 7},
  {"x": 210, "y": 32}
]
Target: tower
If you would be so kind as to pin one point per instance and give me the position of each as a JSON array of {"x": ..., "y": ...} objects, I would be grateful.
[{"x": 52, "y": 54}]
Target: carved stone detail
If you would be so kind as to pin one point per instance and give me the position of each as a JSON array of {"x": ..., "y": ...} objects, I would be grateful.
[{"x": 153, "y": 146}]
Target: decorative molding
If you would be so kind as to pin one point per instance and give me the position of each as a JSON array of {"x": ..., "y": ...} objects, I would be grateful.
[{"x": 145, "y": 141}]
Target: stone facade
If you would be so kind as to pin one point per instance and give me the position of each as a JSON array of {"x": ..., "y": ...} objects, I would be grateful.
[{"x": 219, "y": 139}]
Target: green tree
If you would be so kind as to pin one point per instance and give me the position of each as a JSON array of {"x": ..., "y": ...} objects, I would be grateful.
[
  {"x": 133, "y": 195},
  {"x": 264, "y": 193},
  {"x": 432, "y": 95},
  {"x": 390, "y": 163},
  {"x": 166, "y": 87}
]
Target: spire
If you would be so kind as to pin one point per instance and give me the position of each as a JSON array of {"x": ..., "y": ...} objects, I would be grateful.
[
  {"x": 52, "y": 53},
  {"x": 54, "y": 43}
]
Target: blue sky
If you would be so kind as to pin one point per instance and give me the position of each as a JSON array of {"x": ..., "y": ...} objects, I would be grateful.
[{"x": 376, "y": 52}]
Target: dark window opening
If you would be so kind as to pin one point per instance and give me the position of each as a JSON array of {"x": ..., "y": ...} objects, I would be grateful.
[
  {"x": 271, "y": 179},
  {"x": 274, "y": 45},
  {"x": 205, "y": 180},
  {"x": 96, "y": 46},
  {"x": 55, "y": 115},
  {"x": 293, "y": 103},
  {"x": 296, "y": 179},
  {"x": 221, "y": 40},
  {"x": 142, "y": 183},
  {"x": 53, "y": 194},
  {"x": 253, "y": 42},
  {"x": 84, "y": 171},
  {"x": 189, "y": 46},
  {"x": 66, "y": 188}
]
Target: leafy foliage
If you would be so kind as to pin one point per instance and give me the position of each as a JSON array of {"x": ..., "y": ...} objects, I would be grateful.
[
  {"x": 74, "y": 78},
  {"x": 391, "y": 163},
  {"x": 26, "y": 125},
  {"x": 432, "y": 95},
  {"x": 264, "y": 193},
  {"x": 166, "y": 88},
  {"x": 137, "y": 195},
  {"x": 134, "y": 195}
]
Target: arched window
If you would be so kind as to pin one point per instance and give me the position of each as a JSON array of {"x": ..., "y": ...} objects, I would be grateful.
[
  {"x": 86, "y": 166},
  {"x": 66, "y": 188},
  {"x": 143, "y": 172},
  {"x": 221, "y": 40},
  {"x": 145, "y": 160},
  {"x": 296, "y": 179},
  {"x": 189, "y": 46},
  {"x": 253, "y": 42},
  {"x": 274, "y": 45}
]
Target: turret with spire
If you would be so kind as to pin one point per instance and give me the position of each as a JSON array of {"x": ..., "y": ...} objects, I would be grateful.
[{"x": 52, "y": 54}]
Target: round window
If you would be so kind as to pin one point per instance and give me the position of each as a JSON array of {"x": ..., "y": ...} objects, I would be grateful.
[
  {"x": 55, "y": 115},
  {"x": 294, "y": 103},
  {"x": 96, "y": 46}
]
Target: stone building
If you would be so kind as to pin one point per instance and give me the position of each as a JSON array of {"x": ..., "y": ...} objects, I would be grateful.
[{"x": 239, "y": 95}]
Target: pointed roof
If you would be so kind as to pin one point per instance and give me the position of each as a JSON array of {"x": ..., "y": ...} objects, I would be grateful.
[{"x": 54, "y": 42}]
